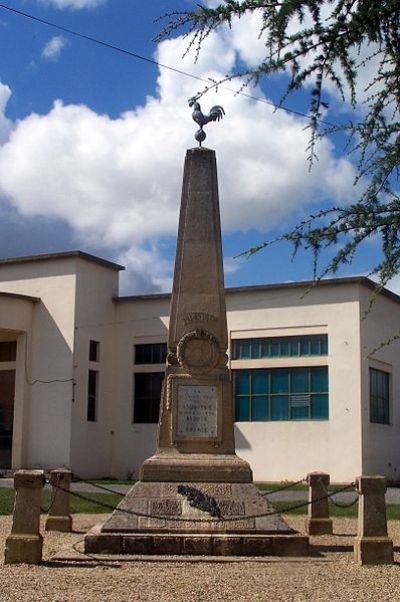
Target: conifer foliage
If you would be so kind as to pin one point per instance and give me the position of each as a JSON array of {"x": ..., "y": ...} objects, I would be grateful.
[{"x": 331, "y": 41}]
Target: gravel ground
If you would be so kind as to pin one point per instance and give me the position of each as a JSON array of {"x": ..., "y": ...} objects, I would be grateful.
[{"x": 331, "y": 575}]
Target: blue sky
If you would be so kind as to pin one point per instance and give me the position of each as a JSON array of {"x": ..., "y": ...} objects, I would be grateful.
[{"x": 92, "y": 144}]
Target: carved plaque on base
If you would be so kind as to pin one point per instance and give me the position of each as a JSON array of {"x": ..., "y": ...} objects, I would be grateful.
[{"x": 197, "y": 412}]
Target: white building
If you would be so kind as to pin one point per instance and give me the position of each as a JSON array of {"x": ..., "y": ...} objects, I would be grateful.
[{"x": 81, "y": 370}]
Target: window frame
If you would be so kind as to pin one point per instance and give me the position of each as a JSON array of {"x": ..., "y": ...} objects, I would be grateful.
[
  {"x": 154, "y": 399},
  {"x": 278, "y": 347},
  {"x": 386, "y": 409},
  {"x": 94, "y": 346},
  {"x": 157, "y": 353},
  {"x": 295, "y": 398},
  {"x": 92, "y": 396}
]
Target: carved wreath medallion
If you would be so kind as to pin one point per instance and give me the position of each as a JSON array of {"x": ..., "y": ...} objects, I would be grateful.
[{"x": 198, "y": 351}]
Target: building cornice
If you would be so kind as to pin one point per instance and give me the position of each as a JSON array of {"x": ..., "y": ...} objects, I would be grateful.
[
  {"x": 19, "y": 296},
  {"x": 305, "y": 284},
  {"x": 62, "y": 255}
]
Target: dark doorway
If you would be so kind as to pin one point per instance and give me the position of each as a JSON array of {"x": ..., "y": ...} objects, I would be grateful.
[{"x": 7, "y": 391}]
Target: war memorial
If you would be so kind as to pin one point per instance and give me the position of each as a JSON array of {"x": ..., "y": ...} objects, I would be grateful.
[{"x": 195, "y": 495}]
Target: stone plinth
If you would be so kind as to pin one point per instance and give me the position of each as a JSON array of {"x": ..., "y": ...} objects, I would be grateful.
[
  {"x": 25, "y": 542},
  {"x": 225, "y": 519},
  {"x": 318, "y": 521},
  {"x": 59, "y": 518},
  {"x": 372, "y": 545}
]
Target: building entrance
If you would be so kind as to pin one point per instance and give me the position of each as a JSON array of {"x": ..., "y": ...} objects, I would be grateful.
[{"x": 7, "y": 390}]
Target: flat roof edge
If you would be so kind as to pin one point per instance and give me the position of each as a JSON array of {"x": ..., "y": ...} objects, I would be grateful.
[
  {"x": 20, "y": 296},
  {"x": 62, "y": 255},
  {"x": 362, "y": 280}
]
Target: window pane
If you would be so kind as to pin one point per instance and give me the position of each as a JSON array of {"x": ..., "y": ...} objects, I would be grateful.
[
  {"x": 319, "y": 407},
  {"x": 255, "y": 349},
  {"x": 324, "y": 344},
  {"x": 299, "y": 380},
  {"x": 242, "y": 382},
  {"x": 319, "y": 379},
  {"x": 379, "y": 396},
  {"x": 274, "y": 348},
  {"x": 265, "y": 348},
  {"x": 143, "y": 385},
  {"x": 279, "y": 407},
  {"x": 259, "y": 408},
  {"x": 299, "y": 413},
  {"x": 244, "y": 352},
  {"x": 315, "y": 347},
  {"x": 92, "y": 395},
  {"x": 8, "y": 351},
  {"x": 147, "y": 396},
  {"x": 279, "y": 381},
  {"x": 284, "y": 348},
  {"x": 304, "y": 346},
  {"x": 295, "y": 347},
  {"x": 259, "y": 383},
  {"x": 94, "y": 351},
  {"x": 151, "y": 353},
  {"x": 242, "y": 409}
]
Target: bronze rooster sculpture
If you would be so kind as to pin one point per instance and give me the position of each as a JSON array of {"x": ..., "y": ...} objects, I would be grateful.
[{"x": 216, "y": 113}]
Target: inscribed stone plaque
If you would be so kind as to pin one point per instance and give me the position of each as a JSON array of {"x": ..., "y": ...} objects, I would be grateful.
[{"x": 197, "y": 411}]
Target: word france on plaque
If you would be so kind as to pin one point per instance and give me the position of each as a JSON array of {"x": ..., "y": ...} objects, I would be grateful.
[{"x": 197, "y": 411}]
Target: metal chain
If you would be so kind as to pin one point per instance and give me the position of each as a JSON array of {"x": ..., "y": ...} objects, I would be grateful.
[
  {"x": 201, "y": 520},
  {"x": 96, "y": 485},
  {"x": 340, "y": 504},
  {"x": 52, "y": 500},
  {"x": 270, "y": 492}
]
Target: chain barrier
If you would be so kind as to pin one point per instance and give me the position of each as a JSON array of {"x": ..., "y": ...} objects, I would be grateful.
[
  {"x": 97, "y": 486},
  {"x": 340, "y": 504},
  {"x": 52, "y": 499},
  {"x": 202, "y": 520},
  {"x": 283, "y": 488}
]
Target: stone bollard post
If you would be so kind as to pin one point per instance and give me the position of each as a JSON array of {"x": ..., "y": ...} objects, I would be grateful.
[
  {"x": 24, "y": 544},
  {"x": 59, "y": 518},
  {"x": 318, "y": 521},
  {"x": 372, "y": 545}
]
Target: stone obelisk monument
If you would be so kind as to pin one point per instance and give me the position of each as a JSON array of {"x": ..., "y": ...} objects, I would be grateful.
[{"x": 195, "y": 495}]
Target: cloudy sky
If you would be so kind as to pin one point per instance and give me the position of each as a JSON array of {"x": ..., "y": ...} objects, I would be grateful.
[{"x": 92, "y": 144}]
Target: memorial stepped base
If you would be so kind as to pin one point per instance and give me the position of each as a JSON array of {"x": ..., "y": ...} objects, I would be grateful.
[{"x": 171, "y": 520}]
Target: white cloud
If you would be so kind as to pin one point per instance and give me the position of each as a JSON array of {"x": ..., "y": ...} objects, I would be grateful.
[
  {"x": 52, "y": 49},
  {"x": 5, "y": 124},
  {"x": 118, "y": 180},
  {"x": 74, "y": 4}
]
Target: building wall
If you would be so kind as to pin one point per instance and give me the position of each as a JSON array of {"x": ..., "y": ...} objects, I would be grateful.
[
  {"x": 291, "y": 449},
  {"x": 46, "y": 349},
  {"x": 275, "y": 450},
  {"x": 381, "y": 442},
  {"x": 141, "y": 321},
  {"x": 92, "y": 441},
  {"x": 51, "y": 426}
]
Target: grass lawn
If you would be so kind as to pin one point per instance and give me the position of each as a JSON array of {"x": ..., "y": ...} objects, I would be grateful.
[
  {"x": 77, "y": 504},
  {"x": 392, "y": 510}
]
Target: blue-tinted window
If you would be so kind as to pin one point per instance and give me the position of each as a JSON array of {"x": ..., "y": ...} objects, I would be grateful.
[
  {"x": 259, "y": 408},
  {"x": 242, "y": 409},
  {"x": 282, "y": 394},
  {"x": 296, "y": 346},
  {"x": 379, "y": 396},
  {"x": 279, "y": 407}
]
